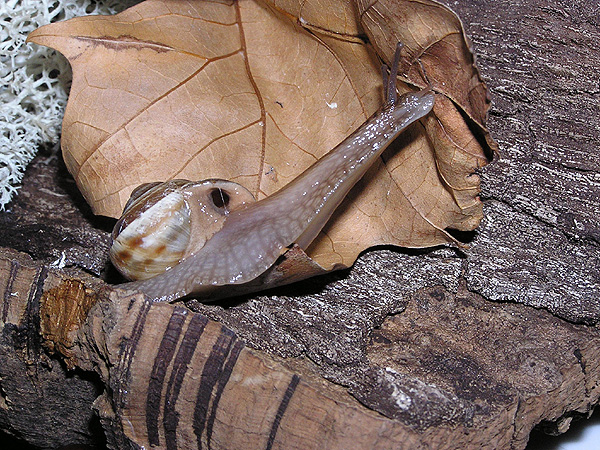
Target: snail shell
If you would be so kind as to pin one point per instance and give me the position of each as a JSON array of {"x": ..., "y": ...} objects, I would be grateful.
[{"x": 164, "y": 223}]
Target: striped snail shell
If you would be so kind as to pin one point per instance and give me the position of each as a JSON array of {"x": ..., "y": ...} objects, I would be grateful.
[{"x": 164, "y": 223}]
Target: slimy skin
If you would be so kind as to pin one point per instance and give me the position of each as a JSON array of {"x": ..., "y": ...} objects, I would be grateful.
[{"x": 253, "y": 236}]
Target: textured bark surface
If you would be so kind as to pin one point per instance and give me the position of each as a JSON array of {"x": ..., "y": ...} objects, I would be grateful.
[
  {"x": 408, "y": 348},
  {"x": 540, "y": 243},
  {"x": 452, "y": 371}
]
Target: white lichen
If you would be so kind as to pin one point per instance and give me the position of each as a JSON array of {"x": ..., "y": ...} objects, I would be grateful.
[{"x": 34, "y": 82}]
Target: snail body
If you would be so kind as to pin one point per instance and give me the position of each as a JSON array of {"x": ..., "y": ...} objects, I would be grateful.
[{"x": 234, "y": 241}]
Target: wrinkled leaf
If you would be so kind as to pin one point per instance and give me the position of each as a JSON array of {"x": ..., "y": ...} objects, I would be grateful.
[{"x": 256, "y": 92}]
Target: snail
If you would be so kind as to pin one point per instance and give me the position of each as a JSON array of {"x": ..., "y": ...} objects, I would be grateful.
[{"x": 179, "y": 237}]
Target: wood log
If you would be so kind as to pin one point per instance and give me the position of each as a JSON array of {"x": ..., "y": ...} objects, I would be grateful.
[
  {"x": 450, "y": 372},
  {"x": 442, "y": 348}
]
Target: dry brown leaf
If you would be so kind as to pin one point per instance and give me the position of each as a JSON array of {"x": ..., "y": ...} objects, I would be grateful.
[{"x": 256, "y": 92}]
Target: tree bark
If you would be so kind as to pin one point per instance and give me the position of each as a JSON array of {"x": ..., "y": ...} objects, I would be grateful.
[{"x": 441, "y": 348}]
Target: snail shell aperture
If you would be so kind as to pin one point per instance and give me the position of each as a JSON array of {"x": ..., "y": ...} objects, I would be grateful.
[{"x": 163, "y": 223}]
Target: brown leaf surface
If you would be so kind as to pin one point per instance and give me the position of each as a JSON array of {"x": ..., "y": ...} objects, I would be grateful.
[{"x": 256, "y": 92}]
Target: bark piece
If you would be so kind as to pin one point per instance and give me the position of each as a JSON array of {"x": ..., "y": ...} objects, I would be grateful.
[
  {"x": 41, "y": 402},
  {"x": 51, "y": 221},
  {"x": 444, "y": 371},
  {"x": 540, "y": 245}
]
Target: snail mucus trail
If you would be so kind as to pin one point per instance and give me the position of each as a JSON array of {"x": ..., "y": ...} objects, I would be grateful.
[{"x": 179, "y": 237}]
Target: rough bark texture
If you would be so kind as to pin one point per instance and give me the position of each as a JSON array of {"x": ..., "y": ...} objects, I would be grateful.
[
  {"x": 453, "y": 371},
  {"x": 539, "y": 245},
  {"x": 409, "y": 349}
]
